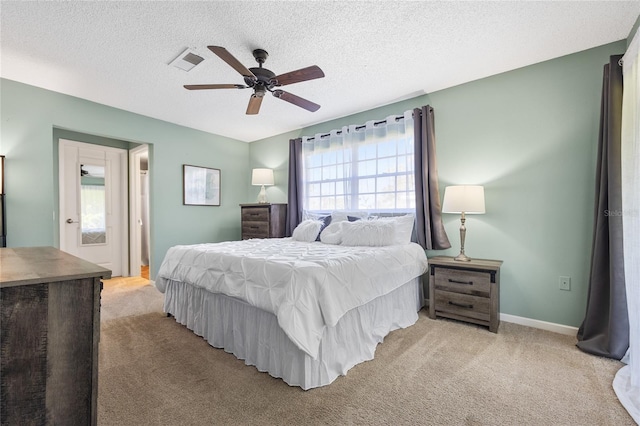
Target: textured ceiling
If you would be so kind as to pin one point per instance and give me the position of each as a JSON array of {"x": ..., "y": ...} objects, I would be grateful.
[{"x": 373, "y": 53}]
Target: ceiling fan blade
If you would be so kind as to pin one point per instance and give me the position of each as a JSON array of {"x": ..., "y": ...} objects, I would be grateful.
[
  {"x": 254, "y": 104},
  {"x": 303, "y": 74},
  {"x": 296, "y": 100},
  {"x": 214, "y": 86},
  {"x": 231, "y": 60}
]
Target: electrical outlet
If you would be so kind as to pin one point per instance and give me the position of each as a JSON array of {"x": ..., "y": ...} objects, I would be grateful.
[{"x": 564, "y": 283}]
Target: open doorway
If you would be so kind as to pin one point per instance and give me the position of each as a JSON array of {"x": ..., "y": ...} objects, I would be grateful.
[{"x": 140, "y": 242}]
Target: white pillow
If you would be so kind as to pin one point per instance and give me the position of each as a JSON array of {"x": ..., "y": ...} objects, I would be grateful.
[
  {"x": 404, "y": 227},
  {"x": 372, "y": 233},
  {"x": 307, "y": 230},
  {"x": 332, "y": 234}
]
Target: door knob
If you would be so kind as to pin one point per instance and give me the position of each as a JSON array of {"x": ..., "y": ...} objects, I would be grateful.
[{"x": 71, "y": 221}]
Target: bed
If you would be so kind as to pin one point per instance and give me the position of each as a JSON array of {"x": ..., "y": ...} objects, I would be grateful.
[{"x": 303, "y": 311}]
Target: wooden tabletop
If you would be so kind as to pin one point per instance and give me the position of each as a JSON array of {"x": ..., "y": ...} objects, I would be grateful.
[
  {"x": 35, "y": 265},
  {"x": 488, "y": 264}
]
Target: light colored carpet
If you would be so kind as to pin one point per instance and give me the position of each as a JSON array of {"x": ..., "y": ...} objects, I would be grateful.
[
  {"x": 122, "y": 297},
  {"x": 154, "y": 371}
]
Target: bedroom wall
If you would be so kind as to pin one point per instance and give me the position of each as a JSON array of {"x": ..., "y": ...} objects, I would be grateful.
[
  {"x": 530, "y": 137},
  {"x": 30, "y": 118}
]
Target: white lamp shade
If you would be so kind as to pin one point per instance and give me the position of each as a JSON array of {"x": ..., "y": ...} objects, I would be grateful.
[
  {"x": 262, "y": 177},
  {"x": 468, "y": 199}
]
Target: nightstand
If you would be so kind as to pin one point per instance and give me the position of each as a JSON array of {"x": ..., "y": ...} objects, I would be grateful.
[
  {"x": 264, "y": 220},
  {"x": 465, "y": 291}
]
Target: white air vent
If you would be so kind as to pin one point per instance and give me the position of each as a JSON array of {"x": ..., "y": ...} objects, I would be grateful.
[{"x": 187, "y": 60}]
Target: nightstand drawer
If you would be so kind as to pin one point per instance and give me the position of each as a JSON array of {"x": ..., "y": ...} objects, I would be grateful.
[
  {"x": 255, "y": 214},
  {"x": 476, "y": 283},
  {"x": 463, "y": 305},
  {"x": 255, "y": 230}
]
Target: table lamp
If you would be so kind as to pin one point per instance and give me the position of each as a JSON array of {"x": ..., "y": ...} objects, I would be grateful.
[
  {"x": 463, "y": 199},
  {"x": 262, "y": 177}
]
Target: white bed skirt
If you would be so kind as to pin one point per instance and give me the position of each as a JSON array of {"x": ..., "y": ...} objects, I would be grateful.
[{"x": 254, "y": 335}]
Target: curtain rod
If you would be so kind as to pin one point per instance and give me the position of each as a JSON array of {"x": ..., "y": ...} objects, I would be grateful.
[{"x": 339, "y": 132}]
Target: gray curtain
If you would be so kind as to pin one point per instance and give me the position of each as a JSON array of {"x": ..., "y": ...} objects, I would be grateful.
[
  {"x": 429, "y": 227},
  {"x": 294, "y": 206},
  {"x": 605, "y": 329}
]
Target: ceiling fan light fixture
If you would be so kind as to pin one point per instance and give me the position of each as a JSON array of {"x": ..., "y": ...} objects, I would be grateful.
[{"x": 187, "y": 60}]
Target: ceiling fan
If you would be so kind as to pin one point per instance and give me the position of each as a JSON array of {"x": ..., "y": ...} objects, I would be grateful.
[{"x": 263, "y": 80}]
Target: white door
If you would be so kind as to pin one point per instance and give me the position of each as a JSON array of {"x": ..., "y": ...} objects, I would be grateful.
[
  {"x": 93, "y": 196},
  {"x": 138, "y": 208}
]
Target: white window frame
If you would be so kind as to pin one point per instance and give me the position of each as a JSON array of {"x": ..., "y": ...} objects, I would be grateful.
[{"x": 317, "y": 174}]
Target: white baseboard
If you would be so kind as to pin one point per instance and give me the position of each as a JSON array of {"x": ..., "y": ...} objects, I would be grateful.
[{"x": 543, "y": 325}]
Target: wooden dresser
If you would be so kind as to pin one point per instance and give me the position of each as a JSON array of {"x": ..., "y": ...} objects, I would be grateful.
[
  {"x": 465, "y": 291},
  {"x": 263, "y": 220},
  {"x": 49, "y": 334}
]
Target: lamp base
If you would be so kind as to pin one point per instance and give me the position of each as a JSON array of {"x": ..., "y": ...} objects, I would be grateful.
[
  {"x": 462, "y": 258},
  {"x": 463, "y": 231},
  {"x": 262, "y": 196}
]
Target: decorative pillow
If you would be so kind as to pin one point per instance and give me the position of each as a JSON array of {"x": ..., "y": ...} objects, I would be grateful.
[
  {"x": 332, "y": 234},
  {"x": 326, "y": 220},
  {"x": 404, "y": 227},
  {"x": 372, "y": 233},
  {"x": 307, "y": 230}
]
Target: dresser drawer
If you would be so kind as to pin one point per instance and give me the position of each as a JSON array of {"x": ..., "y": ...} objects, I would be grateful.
[
  {"x": 476, "y": 283},
  {"x": 255, "y": 214},
  {"x": 255, "y": 230},
  {"x": 463, "y": 305}
]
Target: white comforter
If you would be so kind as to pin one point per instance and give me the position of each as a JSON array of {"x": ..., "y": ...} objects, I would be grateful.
[{"x": 308, "y": 286}]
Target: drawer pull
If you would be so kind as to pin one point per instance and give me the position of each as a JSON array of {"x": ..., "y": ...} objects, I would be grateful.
[
  {"x": 461, "y": 282},
  {"x": 461, "y": 305}
]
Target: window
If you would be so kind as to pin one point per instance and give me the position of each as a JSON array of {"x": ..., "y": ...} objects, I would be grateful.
[
  {"x": 93, "y": 208},
  {"x": 368, "y": 167}
]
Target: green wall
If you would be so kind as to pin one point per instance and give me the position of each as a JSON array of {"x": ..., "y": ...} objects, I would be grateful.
[
  {"x": 32, "y": 121},
  {"x": 530, "y": 137}
]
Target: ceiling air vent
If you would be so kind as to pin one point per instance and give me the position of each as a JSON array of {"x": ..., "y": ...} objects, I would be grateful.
[{"x": 187, "y": 60}]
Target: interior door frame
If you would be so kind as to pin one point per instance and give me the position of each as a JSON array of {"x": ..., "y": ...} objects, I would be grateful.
[
  {"x": 135, "y": 207},
  {"x": 123, "y": 191}
]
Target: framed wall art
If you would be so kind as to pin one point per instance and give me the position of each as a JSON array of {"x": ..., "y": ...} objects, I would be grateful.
[{"x": 201, "y": 186}]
